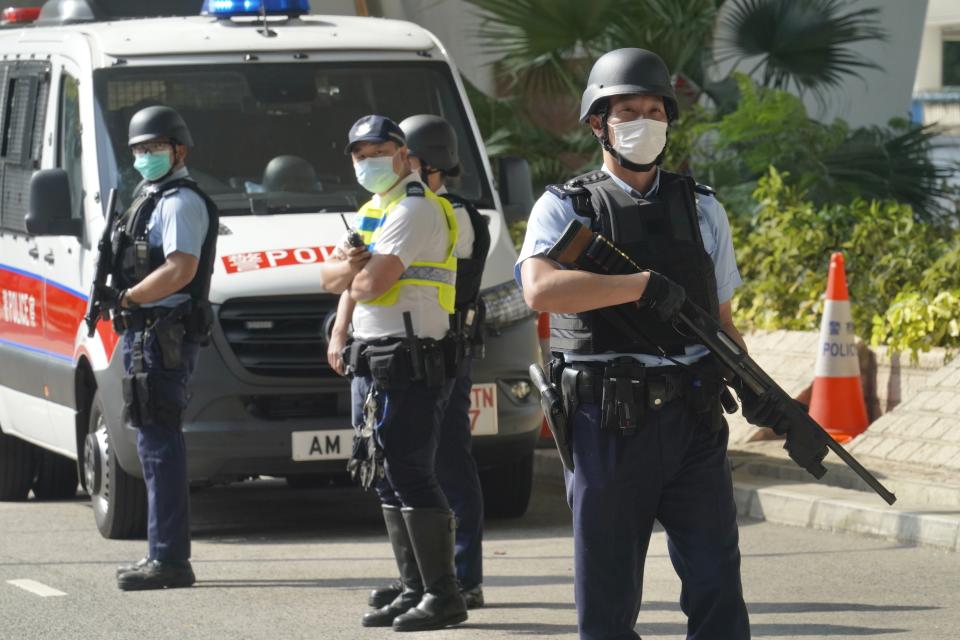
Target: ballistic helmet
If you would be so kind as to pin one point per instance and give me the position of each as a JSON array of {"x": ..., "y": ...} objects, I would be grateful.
[
  {"x": 289, "y": 173},
  {"x": 156, "y": 122},
  {"x": 626, "y": 71},
  {"x": 432, "y": 140}
]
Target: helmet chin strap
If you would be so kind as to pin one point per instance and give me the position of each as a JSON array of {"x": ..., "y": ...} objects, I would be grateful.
[{"x": 623, "y": 162}]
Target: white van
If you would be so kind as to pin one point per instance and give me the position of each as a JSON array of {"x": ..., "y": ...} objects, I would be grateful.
[{"x": 264, "y": 401}]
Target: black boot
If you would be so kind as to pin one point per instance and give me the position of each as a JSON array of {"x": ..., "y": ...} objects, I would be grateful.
[
  {"x": 411, "y": 591},
  {"x": 157, "y": 575},
  {"x": 384, "y": 595},
  {"x": 432, "y": 533}
]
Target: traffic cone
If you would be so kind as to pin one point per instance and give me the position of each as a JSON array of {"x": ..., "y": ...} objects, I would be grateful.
[{"x": 837, "y": 398}]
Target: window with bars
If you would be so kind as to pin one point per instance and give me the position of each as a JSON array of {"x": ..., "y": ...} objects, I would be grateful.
[{"x": 24, "y": 93}]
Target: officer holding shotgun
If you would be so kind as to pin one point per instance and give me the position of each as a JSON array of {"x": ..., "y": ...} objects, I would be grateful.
[{"x": 647, "y": 437}]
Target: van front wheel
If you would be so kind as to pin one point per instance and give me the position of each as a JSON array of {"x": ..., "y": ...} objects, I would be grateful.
[
  {"x": 17, "y": 467},
  {"x": 119, "y": 499}
]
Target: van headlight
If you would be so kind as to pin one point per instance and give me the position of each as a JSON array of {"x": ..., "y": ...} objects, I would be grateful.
[{"x": 505, "y": 306}]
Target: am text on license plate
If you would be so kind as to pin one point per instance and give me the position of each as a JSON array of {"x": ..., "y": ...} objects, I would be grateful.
[
  {"x": 333, "y": 444},
  {"x": 483, "y": 409}
]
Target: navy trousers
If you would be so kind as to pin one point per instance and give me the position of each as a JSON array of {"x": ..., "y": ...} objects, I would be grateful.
[
  {"x": 674, "y": 471},
  {"x": 407, "y": 430},
  {"x": 163, "y": 452},
  {"x": 457, "y": 473}
]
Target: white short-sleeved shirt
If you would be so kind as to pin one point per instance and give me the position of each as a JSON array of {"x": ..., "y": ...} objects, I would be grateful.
[
  {"x": 415, "y": 230},
  {"x": 178, "y": 223},
  {"x": 551, "y": 215}
]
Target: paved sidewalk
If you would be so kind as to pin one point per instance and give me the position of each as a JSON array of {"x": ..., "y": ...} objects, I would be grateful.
[{"x": 768, "y": 486}]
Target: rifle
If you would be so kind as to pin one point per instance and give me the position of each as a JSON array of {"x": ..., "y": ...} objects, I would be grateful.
[
  {"x": 581, "y": 248},
  {"x": 104, "y": 265}
]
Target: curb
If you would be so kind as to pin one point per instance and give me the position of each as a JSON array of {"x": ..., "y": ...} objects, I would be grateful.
[{"x": 819, "y": 506}]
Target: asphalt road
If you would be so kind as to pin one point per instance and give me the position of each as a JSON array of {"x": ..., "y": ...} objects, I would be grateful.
[{"x": 274, "y": 563}]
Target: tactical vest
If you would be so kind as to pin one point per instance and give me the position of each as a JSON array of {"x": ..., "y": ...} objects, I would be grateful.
[
  {"x": 135, "y": 258},
  {"x": 440, "y": 275},
  {"x": 470, "y": 270},
  {"x": 661, "y": 234}
]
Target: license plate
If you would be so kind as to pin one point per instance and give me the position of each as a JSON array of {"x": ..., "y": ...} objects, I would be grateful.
[
  {"x": 335, "y": 444},
  {"x": 483, "y": 409}
]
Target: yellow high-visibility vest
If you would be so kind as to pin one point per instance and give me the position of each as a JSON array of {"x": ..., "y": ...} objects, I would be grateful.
[{"x": 440, "y": 275}]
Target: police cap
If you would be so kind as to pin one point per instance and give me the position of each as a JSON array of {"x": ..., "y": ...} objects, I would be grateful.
[
  {"x": 627, "y": 71},
  {"x": 374, "y": 128},
  {"x": 156, "y": 122},
  {"x": 433, "y": 140}
]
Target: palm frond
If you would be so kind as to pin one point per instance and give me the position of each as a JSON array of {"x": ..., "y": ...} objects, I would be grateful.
[{"x": 803, "y": 43}]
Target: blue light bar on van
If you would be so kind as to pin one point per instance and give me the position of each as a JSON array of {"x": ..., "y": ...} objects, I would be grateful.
[{"x": 231, "y": 8}]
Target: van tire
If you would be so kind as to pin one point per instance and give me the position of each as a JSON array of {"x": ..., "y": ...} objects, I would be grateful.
[
  {"x": 17, "y": 467},
  {"x": 119, "y": 499},
  {"x": 507, "y": 487},
  {"x": 56, "y": 477}
]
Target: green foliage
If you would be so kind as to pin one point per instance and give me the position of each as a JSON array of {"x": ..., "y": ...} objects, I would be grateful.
[
  {"x": 918, "y": 322},
  {"x": 829, "y": 162},
  {"x": 784, "y": 250}
]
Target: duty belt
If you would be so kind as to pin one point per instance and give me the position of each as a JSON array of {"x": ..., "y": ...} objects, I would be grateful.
[
  {"x": 139, "y": 319},
  {"x": 661, "y": 384}
]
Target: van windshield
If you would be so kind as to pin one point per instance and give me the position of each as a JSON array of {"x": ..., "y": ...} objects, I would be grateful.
[{"x": 269, "y": 138}]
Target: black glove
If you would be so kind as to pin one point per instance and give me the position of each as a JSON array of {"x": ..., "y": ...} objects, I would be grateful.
[
  {"x": 806, "y": 447},
  {"x": 109, "y": 297},
  {"x": 663, "y": 295},
  {"x": 766, "y": 410}
]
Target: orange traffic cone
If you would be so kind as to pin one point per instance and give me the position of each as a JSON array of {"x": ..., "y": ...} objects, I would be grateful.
[{"x": 837, "y": 399}]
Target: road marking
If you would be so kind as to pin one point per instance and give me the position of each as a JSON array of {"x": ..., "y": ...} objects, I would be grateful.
[{"x": 36, "y": 588}]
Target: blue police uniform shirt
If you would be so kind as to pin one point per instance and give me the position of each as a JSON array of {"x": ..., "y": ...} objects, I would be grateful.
[
  {"x": 179, "y": 223},
  {"x": 551, "y": 215}
]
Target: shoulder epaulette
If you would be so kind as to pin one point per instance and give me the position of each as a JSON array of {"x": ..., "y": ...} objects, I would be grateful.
[
  {"x": 704, "y": 190},
  {"x": 415, "y": 190},
  {"x": 576, "y": 190}
]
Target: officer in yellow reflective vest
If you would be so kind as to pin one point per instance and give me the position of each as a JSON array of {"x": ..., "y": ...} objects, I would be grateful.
[{"x": 402, "y": 285}]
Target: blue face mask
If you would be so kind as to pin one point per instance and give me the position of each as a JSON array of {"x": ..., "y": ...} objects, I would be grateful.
[
  {"x": 153, "y": 166},
  {"x": 376, "y": 175}
]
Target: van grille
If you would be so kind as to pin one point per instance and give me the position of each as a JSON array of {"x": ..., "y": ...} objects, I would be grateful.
[{"x": 280, "y": 336}]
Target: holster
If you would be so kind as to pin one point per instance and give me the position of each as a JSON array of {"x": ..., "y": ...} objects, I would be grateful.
[{"x": 142, "y": 399}]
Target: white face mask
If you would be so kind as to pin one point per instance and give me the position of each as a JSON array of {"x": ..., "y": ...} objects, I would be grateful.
[
  {"x": 641, "y": 140},
  {"x": 376, "y": 175}
]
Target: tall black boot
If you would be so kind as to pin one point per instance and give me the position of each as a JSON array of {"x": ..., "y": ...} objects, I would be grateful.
[
  {"x": 412, "y": 591},
  {"x": 432, "y": 533}
]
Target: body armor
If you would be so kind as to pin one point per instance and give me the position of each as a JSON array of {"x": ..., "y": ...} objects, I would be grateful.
[
  {"x": 661, "y": 234},
  {"x": 135, "y": 259}
]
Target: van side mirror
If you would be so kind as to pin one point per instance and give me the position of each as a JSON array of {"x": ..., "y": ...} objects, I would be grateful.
[
  {"x": 515, "y": 187},
  {"x": 50, "y": 210}
]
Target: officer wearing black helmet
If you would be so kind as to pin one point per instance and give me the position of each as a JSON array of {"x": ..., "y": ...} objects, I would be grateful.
[
  {"x": 648, "y": 438},
  {"x": 432, "y": 145},
  {"x": 164, "y": 247}
]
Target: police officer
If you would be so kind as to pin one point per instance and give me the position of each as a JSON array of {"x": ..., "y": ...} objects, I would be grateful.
[
  {"x": 648, "y": 439},
  {"x": 404, "y": 294},
  {"x": 432, "y": 145},
  {"x": 164, "y": 247}
]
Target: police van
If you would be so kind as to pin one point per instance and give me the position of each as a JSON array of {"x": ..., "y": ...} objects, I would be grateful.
[{"x": 269, "y": 95}]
